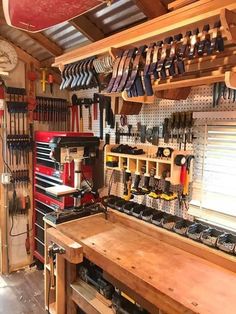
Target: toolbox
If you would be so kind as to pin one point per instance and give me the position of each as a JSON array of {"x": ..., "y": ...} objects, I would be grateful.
[
  {"x": 112, "y": 200},
  {"x": 210, "y": 236},
  {"x": 147, "y": 214},
  {"x": 227, "y": 243},
  {"x": 138, "y": 210},
  {"x": 128, "y": 208},
  {"x": 182, "y": 226},
  {"x": 157, "y": 218},
  {"x": 119, "y": 205},
  {"x": 194, "y": 231},
  {"x": 169, "y": 221}
]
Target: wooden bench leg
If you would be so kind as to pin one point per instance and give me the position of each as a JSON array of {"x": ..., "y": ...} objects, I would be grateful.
[
  {"x": 71, "y": 276},
  {"x": 60, "y": 285}
]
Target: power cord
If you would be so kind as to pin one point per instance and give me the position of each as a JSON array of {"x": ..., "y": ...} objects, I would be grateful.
[
  {"x": 86, "y": 180},
  {"x": 109, "y": 191},
  {"x": 18, "y": 234},
  {"x": 110, "y": 182},
  {"x": 3, "y": 158}
]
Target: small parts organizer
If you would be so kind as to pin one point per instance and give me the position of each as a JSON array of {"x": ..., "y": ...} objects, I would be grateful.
[{"x": 147, "y": 163}]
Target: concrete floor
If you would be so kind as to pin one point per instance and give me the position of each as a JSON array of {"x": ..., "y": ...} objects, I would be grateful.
[{"x": 22, "y": 292}]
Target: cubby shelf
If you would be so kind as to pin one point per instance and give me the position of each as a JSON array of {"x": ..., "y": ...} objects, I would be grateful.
[{"x": 134, "y": 163}]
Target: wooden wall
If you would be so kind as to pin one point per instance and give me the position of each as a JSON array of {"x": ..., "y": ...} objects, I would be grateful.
[{"x": 17, "y": 256}]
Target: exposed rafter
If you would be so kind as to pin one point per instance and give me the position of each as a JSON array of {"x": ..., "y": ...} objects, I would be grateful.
[
  {"x": 47, "y": 63},
  {"x": 151, "y": 9},
  {"x": 179, "y": 4},
  {"x": 87, "y": 28},
  {"x": 52, "y": 47}
]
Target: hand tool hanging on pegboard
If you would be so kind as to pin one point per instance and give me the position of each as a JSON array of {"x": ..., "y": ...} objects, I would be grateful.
[
  {"x": 43, "y": 80},
  {"x": 18, "y": 139},
  {"x": 74, "y": 114},
  {"x": 104, "y": 104},
  {"x": 222, "y": 92},
  {"x": 163, "y": 59},
  {"x": 50, "y": 82},
  {"x": 80, "y": 75},
  {"x": 52, "y": 111}
]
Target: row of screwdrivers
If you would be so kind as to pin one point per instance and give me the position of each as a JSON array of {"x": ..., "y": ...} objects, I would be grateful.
[{"x": 20, "y": 176}]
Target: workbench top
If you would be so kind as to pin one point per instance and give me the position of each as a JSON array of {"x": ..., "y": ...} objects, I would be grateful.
[{"x": 168, "y": 277}]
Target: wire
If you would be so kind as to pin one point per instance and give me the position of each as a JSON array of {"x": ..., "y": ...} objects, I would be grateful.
[
  {"x": 86, "y": 180},
  {"x": 110, "y": 182},
  {"x": 3, "y": 158},
  {"x": 18, "y": 234}
]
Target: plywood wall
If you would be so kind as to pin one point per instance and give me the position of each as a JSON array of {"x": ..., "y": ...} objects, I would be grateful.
[{"x": 17, "y": 256}]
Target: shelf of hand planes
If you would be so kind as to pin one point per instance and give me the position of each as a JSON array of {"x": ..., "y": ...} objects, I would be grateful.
[{"x": 197, "y": 50}]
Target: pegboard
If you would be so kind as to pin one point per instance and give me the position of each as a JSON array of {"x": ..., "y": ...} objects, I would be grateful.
[{"x": 200, "y": 99}]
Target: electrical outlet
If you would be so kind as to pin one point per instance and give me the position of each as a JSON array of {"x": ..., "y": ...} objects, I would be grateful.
[{"x": 6, "y": 178}]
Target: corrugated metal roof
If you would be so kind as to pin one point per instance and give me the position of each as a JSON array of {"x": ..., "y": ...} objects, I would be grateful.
[
  {"x": 119, "y": 15},
  {"x": 65, "y": 35},
  {"x": 109, "y": 19},
  {"x": 22, "y": 40}
]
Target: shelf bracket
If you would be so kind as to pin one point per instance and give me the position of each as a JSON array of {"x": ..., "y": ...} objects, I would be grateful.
[
  {"x": 230, "y": 79},
  {"x": 61, "y": 67},
  {"x": 113, "y": 52},
  {"x": 143, "y": 99},
  {"x": 228, "y": 21}
]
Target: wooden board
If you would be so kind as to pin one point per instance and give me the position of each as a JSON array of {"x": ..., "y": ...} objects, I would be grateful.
[
  {"x": 89, "y": 300},
  {"x": 170, "y": 278},
  {"x": 73, "y": 250},
  {"x": 60, "y": 190}
]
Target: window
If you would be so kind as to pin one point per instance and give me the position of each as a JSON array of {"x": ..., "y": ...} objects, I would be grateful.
[{"x": 214, "y": 184}]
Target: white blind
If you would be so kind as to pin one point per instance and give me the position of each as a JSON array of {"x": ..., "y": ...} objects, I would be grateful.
[{"x": 214, "y": 185}]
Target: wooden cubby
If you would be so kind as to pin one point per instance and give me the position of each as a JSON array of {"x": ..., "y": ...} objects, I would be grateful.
[{"x": 148, "y": 160}]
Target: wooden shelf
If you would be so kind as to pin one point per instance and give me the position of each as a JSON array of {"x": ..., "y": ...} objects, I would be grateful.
[
  {"x": 89, "y": 300},
  {"x": 178, "y": 21},
  {"x": 216, "y": 68},
  {"x": 134, "y": 163}
]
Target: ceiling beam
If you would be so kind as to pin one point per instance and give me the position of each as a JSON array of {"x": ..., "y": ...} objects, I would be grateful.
[
  {"x": 45, "y": 42},
  {"x": 151, "y": 9},
  {"x": 179, "y": 4},
  {"x": 47, "y": 63},
  {"x": 87, "y": 28}
]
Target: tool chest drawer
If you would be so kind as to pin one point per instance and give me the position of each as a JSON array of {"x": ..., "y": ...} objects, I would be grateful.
[
  {"x": 39, "y": 232},
  {"x": 43, "y": 208},
  {"x": 39, "y": 218},
  {"x": 39, "y": 247},
  {"x": 42, "y": 155}
]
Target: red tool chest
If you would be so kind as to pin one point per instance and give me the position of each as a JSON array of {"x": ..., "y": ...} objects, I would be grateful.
[{"x": 47, "y": 173}]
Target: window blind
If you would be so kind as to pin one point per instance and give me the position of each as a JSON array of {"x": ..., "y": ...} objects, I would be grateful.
[{"x": 214, "y": 185}]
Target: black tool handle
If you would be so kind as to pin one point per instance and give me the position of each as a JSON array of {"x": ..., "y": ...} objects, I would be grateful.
[
  {"x": 101, "y": 120},
  {"x": 136, "y": 182}
]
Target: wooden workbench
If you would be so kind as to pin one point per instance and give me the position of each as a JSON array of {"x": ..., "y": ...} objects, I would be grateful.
[{"x": 165, "y": 276}]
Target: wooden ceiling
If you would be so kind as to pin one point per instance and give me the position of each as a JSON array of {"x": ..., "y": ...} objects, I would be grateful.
[{"x": 91, "y": 31}]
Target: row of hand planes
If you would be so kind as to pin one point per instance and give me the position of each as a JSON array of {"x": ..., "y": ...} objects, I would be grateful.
[
  {"x": 135, "y": 69},
  {"x": 85, "y": 73}
]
